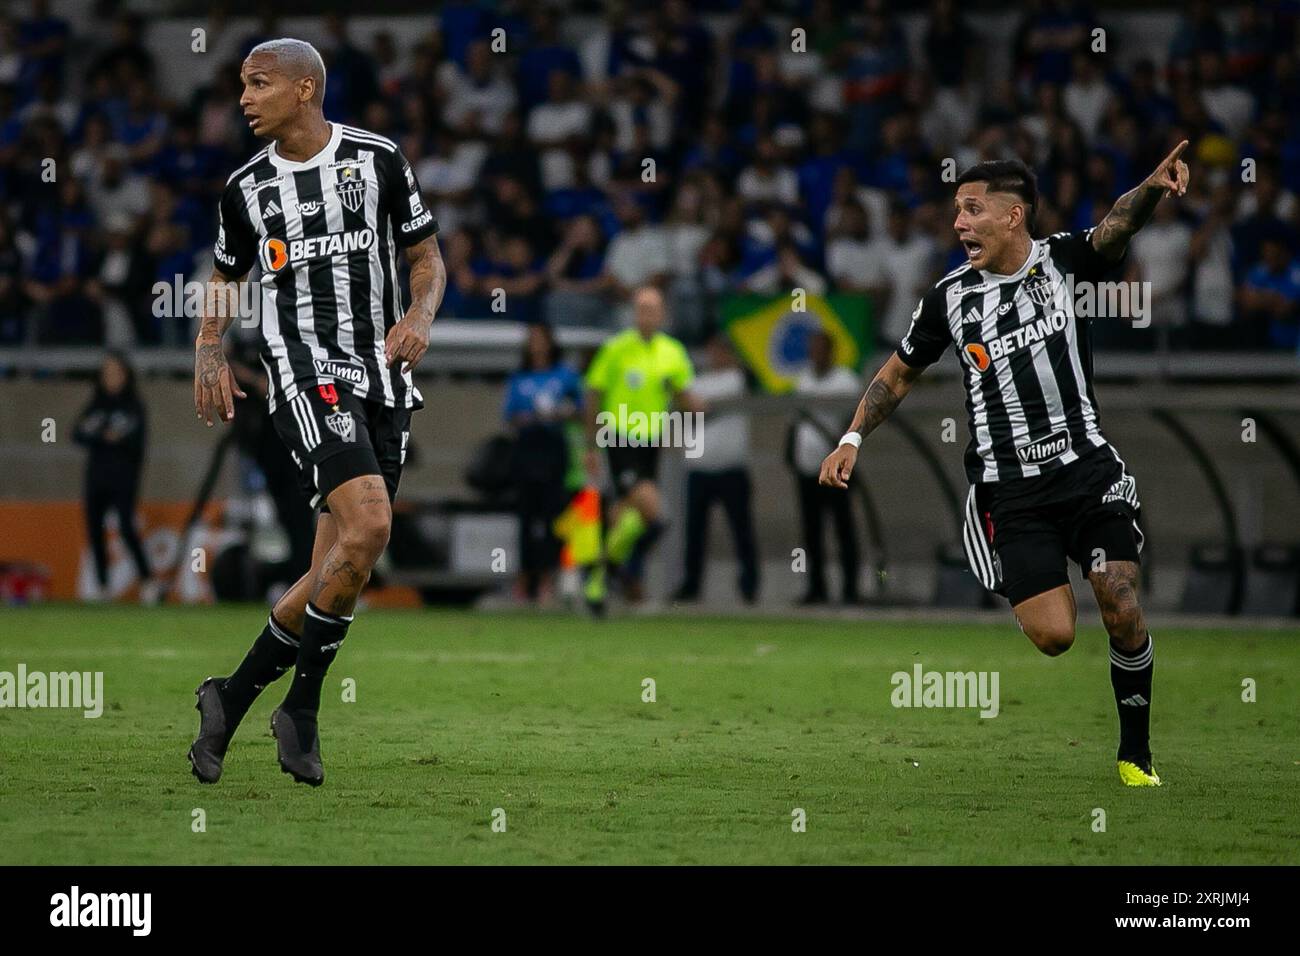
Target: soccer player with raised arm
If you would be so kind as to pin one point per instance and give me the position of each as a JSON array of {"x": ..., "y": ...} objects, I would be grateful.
[
  {"x": 1045, "y": 483},
  {"x": 320, "y": 215}
]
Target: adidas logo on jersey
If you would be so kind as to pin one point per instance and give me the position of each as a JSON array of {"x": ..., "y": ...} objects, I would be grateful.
[
  {"x": 1137, "y": 700},
  {"x": 972, "y": 316},
  {"x": 272, "y": 209}
]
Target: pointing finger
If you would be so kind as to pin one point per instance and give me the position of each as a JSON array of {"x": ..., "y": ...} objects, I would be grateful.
[{"x": 1178, "y": 151}]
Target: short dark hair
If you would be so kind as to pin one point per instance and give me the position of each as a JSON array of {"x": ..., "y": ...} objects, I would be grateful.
[
  {"x": 552, "y": 354},
  {"x": 1006, "y": 176}
]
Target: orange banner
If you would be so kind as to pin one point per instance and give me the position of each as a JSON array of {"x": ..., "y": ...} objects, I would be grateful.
[{"x": 50, "y": 538}]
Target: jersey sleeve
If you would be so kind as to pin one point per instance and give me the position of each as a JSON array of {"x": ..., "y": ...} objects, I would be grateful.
[
  {"x": 1073, "y": 253},
  {"x": 597, "y": 377},
  {"x": 929, "y": 335},
  {"x": 683, "y": 373},
  {"x": 412, "y": 221},
  {"x": 236, "y": 247}
]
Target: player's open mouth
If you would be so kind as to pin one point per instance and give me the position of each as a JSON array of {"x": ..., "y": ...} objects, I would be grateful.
[
  {"x": 252, "y": 120},
  {"x": 973, "y": 248}
]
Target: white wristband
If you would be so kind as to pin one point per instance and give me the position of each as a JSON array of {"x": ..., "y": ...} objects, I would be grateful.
[{"x": 852, "y": 438}]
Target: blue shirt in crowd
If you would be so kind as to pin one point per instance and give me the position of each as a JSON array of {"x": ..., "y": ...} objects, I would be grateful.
[
  {"x": 1280, "y": 334},
  {"x": 542, "y": 391}
]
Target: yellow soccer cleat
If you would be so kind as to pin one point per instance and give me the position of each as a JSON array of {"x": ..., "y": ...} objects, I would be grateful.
[{"x": 1134, "y": 775}]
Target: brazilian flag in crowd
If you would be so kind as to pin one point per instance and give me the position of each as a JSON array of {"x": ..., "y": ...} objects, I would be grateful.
[{"x": 772, "y": 337}]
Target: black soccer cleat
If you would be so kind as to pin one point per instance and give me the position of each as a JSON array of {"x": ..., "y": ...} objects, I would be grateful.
[
  {"x": 208, "y": 752},
  {"x": 298, "y": 745}
]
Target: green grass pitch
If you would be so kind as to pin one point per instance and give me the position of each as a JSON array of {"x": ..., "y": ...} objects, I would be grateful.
[{"x": 458, "y": 714}]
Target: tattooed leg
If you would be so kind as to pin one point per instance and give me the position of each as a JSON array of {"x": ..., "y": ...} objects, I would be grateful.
[
  {"x": 363, "y": 520},
  {"x": 291, "y": 607},
  {"x": 1116, "y": 588}
]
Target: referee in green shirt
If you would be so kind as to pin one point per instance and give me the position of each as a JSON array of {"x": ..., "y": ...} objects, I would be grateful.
[{"x": 634, "y": 378}]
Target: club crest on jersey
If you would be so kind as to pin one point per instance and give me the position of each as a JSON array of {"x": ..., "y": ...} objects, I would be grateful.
[
  {"x": 1037, "y": 287},
  {"x": 342, "y": 424},
  {"x": 977, "y": 356},
  {"x": 351, "y": 187}
]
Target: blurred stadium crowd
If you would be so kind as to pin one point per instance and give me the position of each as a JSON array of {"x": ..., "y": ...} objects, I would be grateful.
[{"x": 772, "y": 168}]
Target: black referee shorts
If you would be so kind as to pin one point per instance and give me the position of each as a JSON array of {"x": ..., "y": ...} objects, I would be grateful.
[
  {"x": 1019, "y": 533},
  {"x": 631, "y": 464},
  {"x": 334, "y": 437}
]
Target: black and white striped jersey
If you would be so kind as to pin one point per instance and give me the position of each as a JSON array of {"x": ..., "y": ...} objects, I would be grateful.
[
  {"x": 322, "y": 237},
  {"x": 1025, "y": 355}
]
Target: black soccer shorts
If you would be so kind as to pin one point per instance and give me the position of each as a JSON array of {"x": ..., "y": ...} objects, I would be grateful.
[
  {"x": 631, "y": 464},
  {"x": 1019, "y": 533},
  {"x": 334, "y": 437}
]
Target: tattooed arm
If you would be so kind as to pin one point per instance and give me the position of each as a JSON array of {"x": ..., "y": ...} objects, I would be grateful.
[
  {"x": 886, "y": 391},
  {"x": 215, "y": 388},
  {"x": 408, "y": 340},
  {"x": 1133, "y": 209}
]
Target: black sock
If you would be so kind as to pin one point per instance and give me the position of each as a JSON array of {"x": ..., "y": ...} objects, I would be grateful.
[
  {"x": 273, "y": 653},
  {"x": 1130, "y": 675},
  {"x": 322, "y": 633}
]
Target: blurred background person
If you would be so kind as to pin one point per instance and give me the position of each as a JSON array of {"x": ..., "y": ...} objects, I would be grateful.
[
  {"x": 634, "y": 379},
  {"x": 272, "y": 468},
  {"x": 575, "y": 272},
  {"x": 720, "y": 474},
  {"x": 113, "y": 430},
  {"x": 814, "y": 436},
  {"x": 542, "y": 398},
  {"x": 1270, "y": 294}
]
